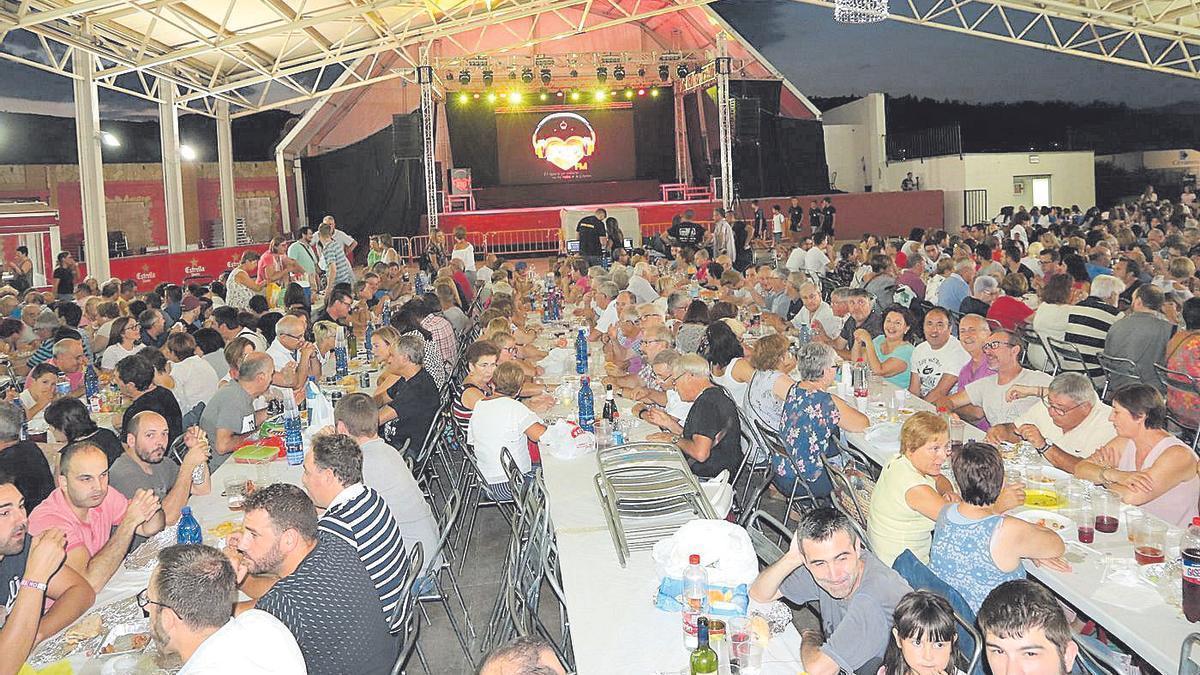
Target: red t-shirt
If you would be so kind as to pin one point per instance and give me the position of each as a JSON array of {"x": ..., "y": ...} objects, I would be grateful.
[{"x": 1009, "y": 311}]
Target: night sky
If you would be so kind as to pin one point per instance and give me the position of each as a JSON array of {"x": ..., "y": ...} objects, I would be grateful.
[{"x": 821, "y": 57}]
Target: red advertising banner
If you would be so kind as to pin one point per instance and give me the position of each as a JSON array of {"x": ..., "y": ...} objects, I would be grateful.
[{"x": 200, "y": 266}]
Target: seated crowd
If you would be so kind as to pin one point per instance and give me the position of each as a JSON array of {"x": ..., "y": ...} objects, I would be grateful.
[{"x": 732, "y": 361}]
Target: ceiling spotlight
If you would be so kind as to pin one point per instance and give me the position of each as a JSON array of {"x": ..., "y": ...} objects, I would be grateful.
[
  {"x": 527, "y": 75},
  {"x": 681, "y": 71},
  {"x": 512, "y": 74},
  {"x": 544, "y": 96},
  {"x": 641, "y": 92},
  {"x": 641, "y": 72},
  {"x": 449, "y": 75},
  {"x": 664, "y": 73},
  {"x": 489, "y": 77},
  {"x": 602, "y": 74},
  {"x": 619, "y": 73},
  {"x": 574, "y": 96},
  {"x": 558, "y": 94},
  {"x": 109, "y": 139},
  {"x": 574, "y": 73},
  {"x": 186, "y": 152},
  {"x": 600, "y": 94},
  {"x": 491, "y": 98},
  {"x": 463, "y": 98},
  {"x": 654, "y": 93},
  {"x": 514, "y": 97},
  {"x": 464, "y": 77},
  {"x": 545, "y": 76},
  {"x": 628, "y": 93}
]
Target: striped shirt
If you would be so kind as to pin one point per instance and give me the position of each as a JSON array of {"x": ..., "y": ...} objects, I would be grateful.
[
  {"x": 1087, "y": 327},
  {"x": 360, "y": 517}
]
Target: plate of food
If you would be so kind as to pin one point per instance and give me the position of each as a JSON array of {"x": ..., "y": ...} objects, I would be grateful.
[
  {"x": 1060, "y": 524},
  {"x": 126, "y": 638}
]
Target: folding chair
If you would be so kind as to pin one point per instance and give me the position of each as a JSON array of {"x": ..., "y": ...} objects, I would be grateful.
[
  {"x": 1125, "y": 369},
  {"x": 1096, "y": 659},
  {"x": 1034, "y": 353},
  {"x": 438, "y": 592},
  {"x": 768, "y": 536},
  {"x": 404, "y": 621},
  {"x": 1187, "y": 664},
  {"x": 1068, "y": 358},
  {"x": 800, "y": 492},
  {"x": 1180, "y": 383},
  {"x": 851, "y": 492}
]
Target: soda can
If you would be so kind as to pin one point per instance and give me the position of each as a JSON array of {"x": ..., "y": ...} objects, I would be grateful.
[{"x": 364, "y": 380}]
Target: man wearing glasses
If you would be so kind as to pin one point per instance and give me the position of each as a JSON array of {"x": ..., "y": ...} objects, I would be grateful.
[
  {"x": 1066, "y": 423},
  {"x": 295, "y": 358},
  {"x": 1003, "y": 353},
  {"x": 337, "y": 308}
]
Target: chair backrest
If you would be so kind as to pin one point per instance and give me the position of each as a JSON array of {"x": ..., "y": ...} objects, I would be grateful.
[
  {"x": 1187, "y": 664},
  {"x": 1067, "y": 356},
  {"x": 767, "y": 535},
  {"x": 192, "y": 417},
  {"x": 1095, "y": 658},
  {"x": 921, "y": 577},
  {"x": 851, "y": 491},
  {"x": 516, "y": 478},
  {"x": 1181, "y": 383},
  {"x": 406, "y": 618},
  {"x": 1124, "y": 370}
]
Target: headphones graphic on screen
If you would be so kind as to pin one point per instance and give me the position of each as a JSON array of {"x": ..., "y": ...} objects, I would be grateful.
[{"x": 564, "y": 139}]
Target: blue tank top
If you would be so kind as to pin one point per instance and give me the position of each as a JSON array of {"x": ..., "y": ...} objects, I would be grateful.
[{"x": 962, "y": 555}]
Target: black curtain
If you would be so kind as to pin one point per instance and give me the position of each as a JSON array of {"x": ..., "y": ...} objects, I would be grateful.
[
  {"x": 701, "y": 171},
  {"x": 473, "y": 141},
  {"x": 654, "y": 136},
  {"x": 366, "y": 189}
]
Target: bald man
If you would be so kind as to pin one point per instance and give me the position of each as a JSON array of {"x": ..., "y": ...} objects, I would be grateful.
[
  {"x": 295, "y": 358},
  {"x": 523, "y": 656}
]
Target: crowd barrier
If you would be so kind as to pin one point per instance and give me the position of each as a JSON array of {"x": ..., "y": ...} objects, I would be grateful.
[{"x": 509, "y": 242}]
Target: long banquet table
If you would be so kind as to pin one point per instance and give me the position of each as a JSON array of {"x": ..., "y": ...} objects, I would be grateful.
[{"x": 1136, "y": 615}]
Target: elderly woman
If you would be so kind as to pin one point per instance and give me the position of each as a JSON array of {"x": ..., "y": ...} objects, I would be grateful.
[
  {"x": 1052, "y": 315},
  {"x": 1145, "y": 465},
  {"x": 770, "y": 382},
  {"x": 887, "y": 355},
  {"x": 710, "y": 436},
  {"x": 809, "y": 418},
  {"x": 1183, "y": 355},
  {"x": 911, "y": 490},
  {"x": 1009, "y": 309},
  {"x": 482, "y": 360},
  {"x": 500, "y": 422}
]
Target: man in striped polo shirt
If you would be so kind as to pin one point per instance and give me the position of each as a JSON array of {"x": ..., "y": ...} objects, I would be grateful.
[{"x": 356, "y": 513}]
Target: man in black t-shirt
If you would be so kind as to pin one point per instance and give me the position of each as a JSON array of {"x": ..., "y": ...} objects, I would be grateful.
[
  {"x": 590, "y": 229},
  {"x": 64, "y": 274},
  {"x": 135, "y": 377},
  {"x": 686, "y": 232},
  {"x": 814, "y": 216},
  {"x": 711, "y": 436},
  {"x": 414, "y": 397},
  {"x": 795, "y": 214},
  {"x": 828, "y": 212}
]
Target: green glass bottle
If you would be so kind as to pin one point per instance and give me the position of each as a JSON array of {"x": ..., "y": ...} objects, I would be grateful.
[{"x": 704, "y": 659}]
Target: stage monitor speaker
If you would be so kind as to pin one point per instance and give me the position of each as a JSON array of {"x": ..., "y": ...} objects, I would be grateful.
[
  {"x": 460, "y": 181},
  {"x": 406, "y": 136},
  {"x": 747, "y": 122}
]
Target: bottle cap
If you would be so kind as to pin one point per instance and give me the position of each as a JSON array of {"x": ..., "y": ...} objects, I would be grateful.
[
  {"x": 694, "y": 559},
  {"x": 187, "y": 511},
  {"x": 1196, "y": 521}
]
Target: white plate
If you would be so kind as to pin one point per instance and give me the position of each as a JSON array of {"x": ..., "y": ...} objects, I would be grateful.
[{"x": 1061, "y": 525}]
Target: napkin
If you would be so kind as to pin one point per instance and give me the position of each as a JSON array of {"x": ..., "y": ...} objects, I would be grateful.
[
  {"x": 58, "y": 668},
  {"x": 560, "y": 360},
  {"x": 886, "y": 436}
]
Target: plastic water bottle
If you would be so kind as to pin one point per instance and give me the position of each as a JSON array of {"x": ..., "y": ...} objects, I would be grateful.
[
  {"x": 63, "y": 386},
  {"x": 311, "y": 392},
  {"x": 1189, "y": 548},
  {"x": 581, "y": 352},
  {"x": 91, "y": 382},
  {"x": 860, "y": 379},
  {"x": 386, "y": 314},
  {"x": 188, "y": 531},
  {"x": 695, "y": 598},
  {"x": 419, "y": 283},
  {"x": 806, "y": 334},
  {"x": 293, "y": 440},
  {"x": 367, "y": 340},
  {"x": 24, "y": 418},
  {"x": 587, "y": 411},
  {"x": 339, "y": 353}
]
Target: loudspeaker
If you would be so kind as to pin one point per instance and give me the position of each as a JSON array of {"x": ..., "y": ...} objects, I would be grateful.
[
  {"x": 747, "y": 122},
  {"x": 406, "y": 136}
]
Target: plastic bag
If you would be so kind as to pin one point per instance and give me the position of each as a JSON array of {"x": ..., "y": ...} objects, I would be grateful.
[
  {"x": 722, "y": 600},
  {"x": 566, "y": 440},
  {"x": 724, "y": 548}
]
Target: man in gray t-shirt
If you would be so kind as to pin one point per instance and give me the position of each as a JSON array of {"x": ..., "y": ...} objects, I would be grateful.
[
  {"x": 856, "y": 592},
  {"x": 230, "y": 417},
  {"x": 144, "y": 465}
]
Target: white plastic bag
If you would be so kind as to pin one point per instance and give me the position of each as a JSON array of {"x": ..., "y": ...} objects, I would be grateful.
[
  {"x": 558, "y": 362},
  {"x": 724, "y": 548},
  {"x": 719, "y": 493},
  {"x": 566, "y": 440}
]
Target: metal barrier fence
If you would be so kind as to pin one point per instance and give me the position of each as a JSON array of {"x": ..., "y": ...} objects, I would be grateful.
[{"x": 511, "y": 242}]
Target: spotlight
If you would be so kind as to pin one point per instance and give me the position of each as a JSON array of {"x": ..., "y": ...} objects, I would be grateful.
[
  {"x": 574, "y": 96},
  {"x": 602, "y": 74},
  {"x": 543, "y": 96},
  {"x": 476, "y": 96},
  {"x": 491, "y": 98},
  {"x": 449, "y": 75},
  {"x": 681, "y": 71},
  {"x": 641, "y": 72},
  {"x": 641, "y": 92},
  {"x": 574, "y": 73},
  {"x": 545, "y": 76},
  {"x": 628, "y": 93},
  {"x": 463, "y": 98},
  {"x": 558, "y": 94},
  {"x": 514, "y": 98},
  {"x": 187, "y": 153},
  {"x": 527, "y": 76},
  {"x": 600, "y": 94},
  {"x": 464, "y": 77},
  {"x": 512, "y": 74},
  {"x": 110, "y": 140},
  {"x": 664, "y": 73},
  {"x": 489, "y": 77},
  {"x": 654, "y": 93},
  {"x": 619, "y": 73}
]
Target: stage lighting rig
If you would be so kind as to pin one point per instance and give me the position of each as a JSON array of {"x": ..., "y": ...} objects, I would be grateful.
[
  {"x": 664, "y": 73},
  {"x": 545, "y": 76},
  {"x": 681, "y": 70},
  {"x": 602, "y": 74},
  {"x": 574, "y": 73},
  {"x": 527, "y": 75},
  {"x": 641, "y": 72},
  {"x": 619, "y": 73},
  {"x": 489, "y": 77},
  {"x": 464, "y": 77}
]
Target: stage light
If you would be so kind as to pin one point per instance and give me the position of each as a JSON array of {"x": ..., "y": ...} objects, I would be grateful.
[
  {"x": 664, "y": 73},
  {"x": 641, "y": 92},
  {"x": 654, "y": 93},
  {"x": 476, "y": 97},
  {"x": 681, "y": 71},
  {"x": 488, "y": 78},
  {"x": 527, "y": 75},
  {"x": 464, "y": 77},
  {"x": 600, "y": 94},
  {"x": 187, "y": 153},
  {"x": 449, "y": 75},
  {"x": 545, "y": 76},
  {"x": 619, "y": 73},
  {"x": 514, "y": 97},
  {"x": 602, "y": 74},
  {"x": 574, "y": 96},
  {"x": 558, "y": 94},
  {"x": 641, "y": 72},
  {"x": 110, "y": 140},
  {"x": 574, "y": 73},
  {"x": 628, "y": 93},
  {"x": 491, "y": 98},
  {"x": 463, "y": 98},
  {"x": 544, "y": 96},
  {"x": 512, "y": 74}
]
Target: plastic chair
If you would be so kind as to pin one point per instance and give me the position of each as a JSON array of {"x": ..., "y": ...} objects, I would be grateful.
[
  {"x": 1181, "y": 383},
  {"x": 919, "y": 576},
  {"x": 1119, "y": 367}
]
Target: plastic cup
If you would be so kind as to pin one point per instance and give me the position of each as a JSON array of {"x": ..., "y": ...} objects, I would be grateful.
[
  {"x": 749, "y": 662},
  {"x": 958, "y": 431},
  {"x": 1085, "y": 521},
  {"x": 1107, "y": 511},
  {"x": 1151, "y": 543},
  {"x": 235, "y": 493},
  {"x": 1134, "y": 522}
]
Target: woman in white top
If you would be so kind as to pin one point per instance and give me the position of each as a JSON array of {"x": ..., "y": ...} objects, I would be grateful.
[
  {"x": 123, "y": 341},
  {"x": 325, "y": 338},
  {"x": 500, "y": 422},
  {"x": 725, "y": 356},
  {"x": 463, "y": 249},
  {"x": 1052, "y": 315},
  {"x": 241, "y": 284},
  {"x": 38, "y": 395}
]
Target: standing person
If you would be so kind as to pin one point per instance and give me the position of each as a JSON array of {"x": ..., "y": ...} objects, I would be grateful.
[
  {"x": 64, "y": 275},
  {"x": 463, "y": 250},
  {"x": 759, "y": 220},
  {"x": 590, "y": 229},
  {"x": 828, "y": 214},
  {"x": 857, "y": 593},
  {"x": 616, "y": 239},
  {"x": 776, "y": 223},
  {"x": 343, "y": 239},
  {"x": 305, "y": 255},
  {"x": 190, "y": 601},
  {"x": 240, "y": 286},
  {"x": 815, "y": 217},
  {"x": 723, "y": 243},
  {"x": 21, "y": 267},
  {"x": 795, "y": 214},
  {"x": 334, "y": 254}
]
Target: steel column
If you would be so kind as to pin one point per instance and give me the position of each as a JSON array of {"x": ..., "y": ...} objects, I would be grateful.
[
  {"x": 723, "y": 120},
  {"x": 428, "y": 157},
  {"x": 301, "y": 204},
  {"x": 168, "y": 128},
  {"x": 683, "y": 167},
  {"x": 91, "y": 166},
  {"x": 225, "y": 174}
]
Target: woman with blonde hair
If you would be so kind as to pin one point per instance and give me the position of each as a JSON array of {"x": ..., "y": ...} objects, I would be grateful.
[{"x": 324, "y": 338}]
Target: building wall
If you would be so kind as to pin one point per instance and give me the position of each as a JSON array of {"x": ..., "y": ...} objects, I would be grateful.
[
  {"x": 865, "y": 145},
  {"x": 947, "y": 174},
  {"x": 135, "y": 202},
  {"x": 1072, "y": 177}
]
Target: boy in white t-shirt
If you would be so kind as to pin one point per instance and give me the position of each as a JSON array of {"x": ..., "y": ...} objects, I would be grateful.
[{"x": 777, "y": 223}]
